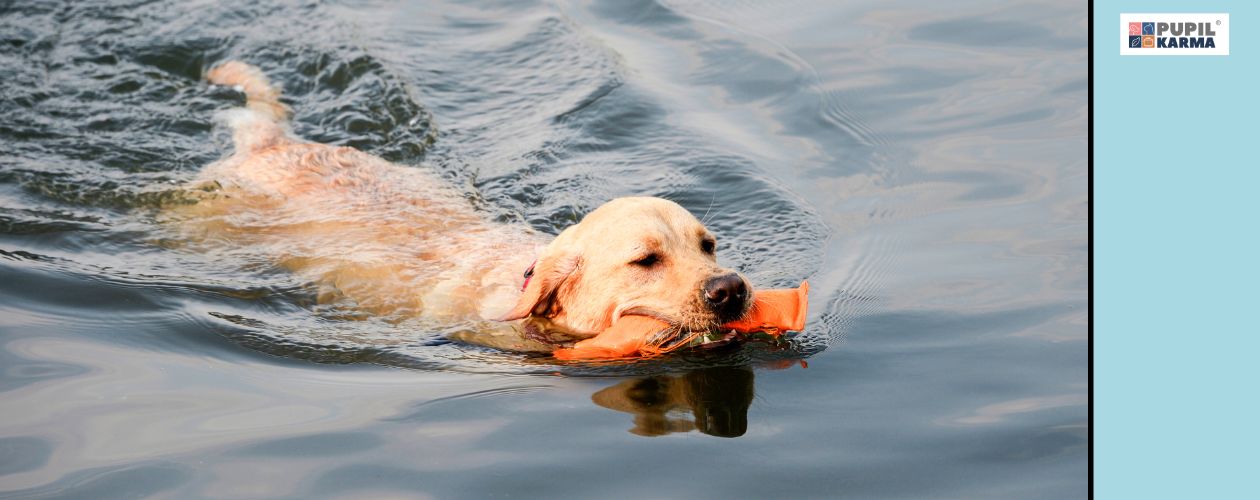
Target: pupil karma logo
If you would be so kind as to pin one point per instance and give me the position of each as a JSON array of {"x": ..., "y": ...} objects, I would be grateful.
[
  {"x": 1149, "y": 40},
  {"x": 1184, "y": 34}
]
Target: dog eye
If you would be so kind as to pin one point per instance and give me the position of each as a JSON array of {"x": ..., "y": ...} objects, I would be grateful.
[
  {"x": 647, "y": 260},
  {"x": 708, "y": 246}
]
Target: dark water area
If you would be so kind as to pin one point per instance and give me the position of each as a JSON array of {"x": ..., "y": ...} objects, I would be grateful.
[{"x": 923, "y": 165}]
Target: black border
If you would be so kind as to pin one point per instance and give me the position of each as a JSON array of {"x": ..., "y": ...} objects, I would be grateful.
[{"x": 1090, "y": 245}]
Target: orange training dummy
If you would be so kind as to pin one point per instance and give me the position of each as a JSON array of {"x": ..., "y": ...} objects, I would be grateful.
[{"x": 773, "y": 311}]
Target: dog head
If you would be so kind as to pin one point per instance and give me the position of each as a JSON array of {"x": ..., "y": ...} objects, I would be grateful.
[{"x": 646, "y": 256}]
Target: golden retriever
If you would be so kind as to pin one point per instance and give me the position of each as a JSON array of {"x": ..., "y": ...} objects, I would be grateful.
[{"x": 397, "y": 241}]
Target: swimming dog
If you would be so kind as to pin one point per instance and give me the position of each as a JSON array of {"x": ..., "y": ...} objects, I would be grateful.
[{"x": 398, "y": 241}]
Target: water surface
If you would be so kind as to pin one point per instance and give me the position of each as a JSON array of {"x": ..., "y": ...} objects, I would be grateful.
[{"x": 923, "y": 165}]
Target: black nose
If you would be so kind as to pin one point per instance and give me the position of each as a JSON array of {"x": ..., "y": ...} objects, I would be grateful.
[{"x": 726, "y": 295}]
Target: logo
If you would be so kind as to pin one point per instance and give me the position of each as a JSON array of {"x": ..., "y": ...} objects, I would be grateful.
[{"x": 1174, "y": 34}]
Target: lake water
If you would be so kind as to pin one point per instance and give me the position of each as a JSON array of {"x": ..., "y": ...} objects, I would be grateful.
[{"x": 922, "y": 164}]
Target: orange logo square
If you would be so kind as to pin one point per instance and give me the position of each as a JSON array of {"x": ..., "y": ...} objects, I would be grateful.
[{"x": 1148, "y": 42}]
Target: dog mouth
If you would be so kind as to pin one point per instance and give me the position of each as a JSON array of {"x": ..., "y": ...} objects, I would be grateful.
[
  {"x": 693, "y": 323},
  {"x": 705, "y": 333},
  {"x": 652, "y": 313}
]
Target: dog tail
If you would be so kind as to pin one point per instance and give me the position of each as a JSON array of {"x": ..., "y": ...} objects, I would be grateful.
[{"x": 264, "y": 121}]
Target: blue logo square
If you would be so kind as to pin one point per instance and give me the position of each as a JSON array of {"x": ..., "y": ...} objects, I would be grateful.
[
  {"x": 1148, "y": 28},
  {"x": 1135, "y": 42}
]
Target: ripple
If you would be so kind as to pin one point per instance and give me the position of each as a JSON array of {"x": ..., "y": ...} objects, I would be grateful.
[
  {"x": 23, "y": 453},
  {"x": 985, "y": 33},
  {"x": 132, "y": 481}
]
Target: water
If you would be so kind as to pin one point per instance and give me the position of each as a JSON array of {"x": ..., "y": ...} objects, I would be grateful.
[{"x": 923, "y": 166}]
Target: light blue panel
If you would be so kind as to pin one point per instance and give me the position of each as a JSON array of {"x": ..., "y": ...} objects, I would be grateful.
[{"x": 1177, "y": 198}]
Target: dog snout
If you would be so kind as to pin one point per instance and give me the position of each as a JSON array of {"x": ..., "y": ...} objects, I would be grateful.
[{"x": 726, "y": 295}]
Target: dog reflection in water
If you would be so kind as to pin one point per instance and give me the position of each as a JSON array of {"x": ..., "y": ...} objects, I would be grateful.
[{"x": 717, "y": 399}]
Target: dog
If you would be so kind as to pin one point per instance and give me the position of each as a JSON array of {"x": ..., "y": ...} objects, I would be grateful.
[{"x": 399, "y": 242}]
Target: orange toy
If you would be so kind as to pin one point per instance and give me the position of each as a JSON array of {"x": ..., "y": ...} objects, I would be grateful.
[{"x": 773, "y": 311}]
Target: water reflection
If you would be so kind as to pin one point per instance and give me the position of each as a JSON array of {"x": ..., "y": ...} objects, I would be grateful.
[{"x": 714, "y": 401}]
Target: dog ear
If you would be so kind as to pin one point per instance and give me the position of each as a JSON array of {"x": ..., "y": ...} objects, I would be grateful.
[{"x": 538, "y": 298}]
